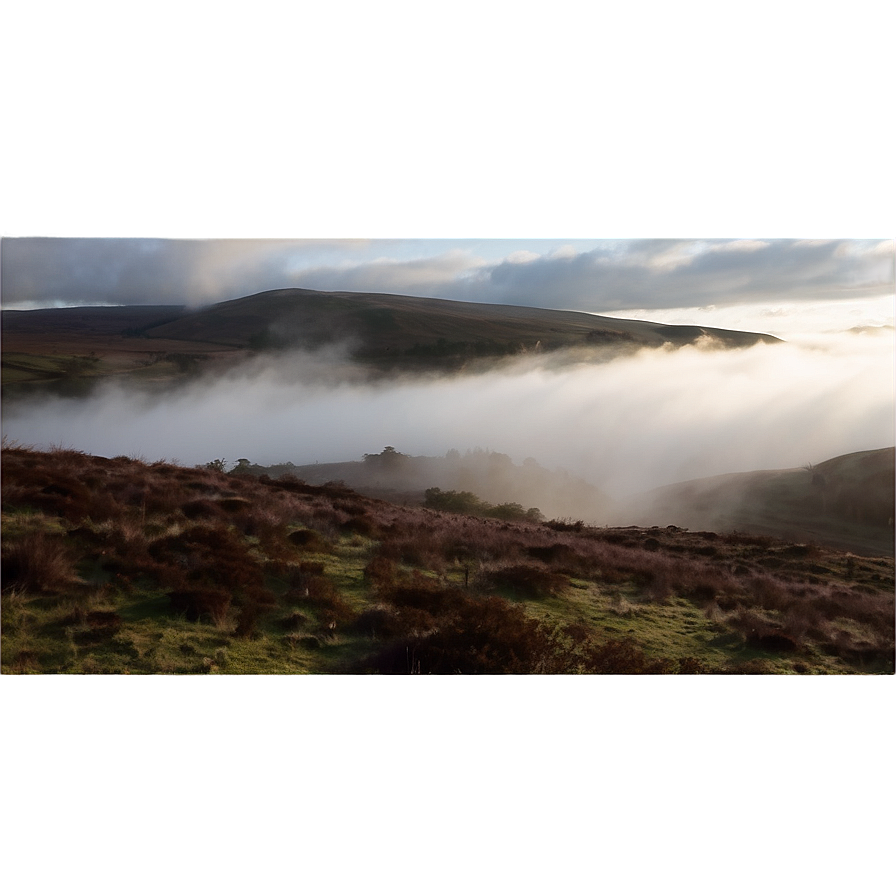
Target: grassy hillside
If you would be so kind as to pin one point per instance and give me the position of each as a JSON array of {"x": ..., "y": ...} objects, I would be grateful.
[
  {"x": 69, "y": 348},
  {"x": 385, "y": 327},
  {"x": 113, "y": 565},
  {"x": 846, "y": 502}
]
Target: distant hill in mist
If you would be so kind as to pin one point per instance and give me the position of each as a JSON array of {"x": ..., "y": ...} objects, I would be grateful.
[
  {"x": 74, "y": 347},
  {"x": 489, "y": 475},
  {"x": 846, "y": 502}
]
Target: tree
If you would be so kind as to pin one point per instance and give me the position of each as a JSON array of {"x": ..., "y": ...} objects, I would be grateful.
[{"x": 388, "y": 458}]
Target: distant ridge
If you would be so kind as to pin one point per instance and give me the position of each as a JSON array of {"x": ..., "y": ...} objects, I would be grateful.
[
  {"x": 385, "y": 324},
  {"x": 69, "y": 348},
  {"x": 846, "y": 502}
]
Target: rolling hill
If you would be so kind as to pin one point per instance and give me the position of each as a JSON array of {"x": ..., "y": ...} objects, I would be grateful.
[
  {"x": 71, "y": 348},
  {"x": 383, "y": 327},
  {"x": 846, "y": 502}
]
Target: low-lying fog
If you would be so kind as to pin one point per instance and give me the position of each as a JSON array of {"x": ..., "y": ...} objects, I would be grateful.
[{"x": 628, "y": 425}]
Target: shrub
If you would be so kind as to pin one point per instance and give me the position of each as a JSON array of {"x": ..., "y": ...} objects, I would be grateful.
[
  {"x": 330, "y": 607},
  {"x": 487, "y": 636},
  {"x": 559, "y": 556},
  {"x": 513, "y": 511},
  {"x": 201, "y": 508},
  {"x": 309, "y": 540},
  {"x": 98, "y": 626},
  {"x": 576, "y": 632},
  {"x": 380, "y": 570},
  {"x": 424, "y": 594},
  {"x": 623, "y": 657},
  {"x": 363, "y": 524},
  {"x": 566, "y": 525},
  {"x": 380, "y": 623},
  {"x": 201, "y": 604},
  {"x": 527, "y": 580},
  {"x": 453, "y": 501},
  {"x": 247, "y": 619},
  {"x": 691, "y": 665},
  {"x": 208, "y": 557},
  {"x": 39, "y": 562},
  {"x": 294, "y": 621}
]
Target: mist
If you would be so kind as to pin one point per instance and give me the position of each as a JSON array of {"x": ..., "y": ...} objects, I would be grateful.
[{"x": 626, "y": 425}]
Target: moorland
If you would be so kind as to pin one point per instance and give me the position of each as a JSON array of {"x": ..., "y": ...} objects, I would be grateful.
[
  {"x": 69, "y": 350},
  {"x": 397, "y": 564},
  {"x": 116, "y": 565}
]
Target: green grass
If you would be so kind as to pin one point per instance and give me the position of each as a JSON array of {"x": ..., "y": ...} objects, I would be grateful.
[{"x": 98, "y": 593}]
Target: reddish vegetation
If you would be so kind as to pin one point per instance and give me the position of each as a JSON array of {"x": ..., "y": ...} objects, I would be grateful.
[{"x": 232, "y": 551}]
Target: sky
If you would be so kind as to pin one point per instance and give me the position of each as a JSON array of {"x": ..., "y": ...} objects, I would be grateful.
[
  {"x": 843, "y": 279},
  {"x": 622, "y": 159}
]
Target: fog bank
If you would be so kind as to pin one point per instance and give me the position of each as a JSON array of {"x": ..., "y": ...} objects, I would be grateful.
[{"x": 634, "y": 423}]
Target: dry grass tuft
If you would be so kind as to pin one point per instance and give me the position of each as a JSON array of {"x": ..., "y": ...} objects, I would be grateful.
[{"x": 39, "y": 562}]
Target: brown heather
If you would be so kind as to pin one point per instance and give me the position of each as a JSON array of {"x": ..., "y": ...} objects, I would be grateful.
[{"x": 104, "y": 561}]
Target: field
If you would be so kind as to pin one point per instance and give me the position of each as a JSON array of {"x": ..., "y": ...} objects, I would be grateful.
[{"x": 116, "y": 565}]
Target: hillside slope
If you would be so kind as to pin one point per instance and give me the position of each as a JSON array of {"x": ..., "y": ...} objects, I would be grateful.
[
  {"x": 71, "y": 348},
  {"x": 846, "y": 502},
  {"x": 113, "y": 565},
  {"x": 385, "y": 327}
]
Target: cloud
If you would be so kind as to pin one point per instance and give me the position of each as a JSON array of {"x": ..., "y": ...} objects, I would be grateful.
[
  {"x": 670, "y": 274},
  {"x": 419, "y": 276},
  {"x": 43, "y": 272},
  {"x": 605, "y": 276}
]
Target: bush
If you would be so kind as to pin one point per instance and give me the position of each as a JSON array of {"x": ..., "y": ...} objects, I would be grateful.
[
  {"x": 37, "y": 562},
  {"x": 623, "y": 657},
  {"x": 381, "y": 570},
  {"x": 527, "y": 580},
  {"x": 379, "y": 623},
  {"x": 453, "y": 501},
  {"x": 330, "y": 607},
  {"x": 487, "y": 636},
  {"x": 293, "y": 622},
  {"x": 201, "y": 508},
  {"x": 201, "y": 604},
  {"x": 247, "y": 620},
  {"x": 309, "y": 540}
]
